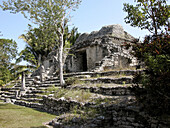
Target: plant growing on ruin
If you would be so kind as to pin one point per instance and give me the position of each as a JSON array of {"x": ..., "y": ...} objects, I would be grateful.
[
  {"x": 43, "y": 12},
  {"x": 78, "y": 95},
  {"x": 40, "y": 42}
]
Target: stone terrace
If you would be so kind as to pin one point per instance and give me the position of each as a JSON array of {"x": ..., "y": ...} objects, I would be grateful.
[{"x": 110, "y": 101}]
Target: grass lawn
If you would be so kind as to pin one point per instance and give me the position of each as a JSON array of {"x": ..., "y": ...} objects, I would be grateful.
[{"x": 13, "y": 116}]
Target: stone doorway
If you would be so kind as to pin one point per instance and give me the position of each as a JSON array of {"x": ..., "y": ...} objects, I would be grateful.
[{"x": 84, "y": 60}]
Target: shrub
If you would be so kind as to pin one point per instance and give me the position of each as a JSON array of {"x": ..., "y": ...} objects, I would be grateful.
[{"x": 155, "y": 52}]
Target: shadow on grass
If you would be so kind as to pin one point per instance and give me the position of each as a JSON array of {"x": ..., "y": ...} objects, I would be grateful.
[
  {"x": 9, "y": 106},
  {"x": 44, "y": 111},
  {"x": 39, "y": 127}
]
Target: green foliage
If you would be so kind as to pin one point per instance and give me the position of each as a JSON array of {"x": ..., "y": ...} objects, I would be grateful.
[
  {"x": 148, "y": 14},
  {"x": 71, "y": 80},
  {"x": 53, "y": 88},
  {"x": 156, "y": 55},
  {"x": 154, "y": 51},
  {"x": 40, "y": 42},
  {"x": 8, "y": 51},
  {"x": 74, "y": 81},
  {"x": 1, "y": 82},
  {"x": 53, "y": 13}
]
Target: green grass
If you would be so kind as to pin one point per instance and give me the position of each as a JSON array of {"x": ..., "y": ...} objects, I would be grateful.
[
  {"x": 77, "y": 112},
  {"x": 79, "y": 95},
  {"x": 12, "y": 116}
]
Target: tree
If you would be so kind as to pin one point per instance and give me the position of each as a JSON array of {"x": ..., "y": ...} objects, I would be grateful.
[
  {"x": 154, "y": 51},
  {"x": 8, "y": 51},
  {"x": 148, "y": 14},
  {"x": 39, "y": 43},
  {"x": 55, "y": 12}
]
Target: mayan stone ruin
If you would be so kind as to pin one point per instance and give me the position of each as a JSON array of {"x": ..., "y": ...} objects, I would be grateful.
[
  {"x": 101, "y": 50},
  {"x": 98, "y": 92},
  {"x": 98, "y": 51}
]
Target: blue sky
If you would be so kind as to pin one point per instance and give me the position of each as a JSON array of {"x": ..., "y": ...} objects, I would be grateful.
[{"x": 90, "y": 16}]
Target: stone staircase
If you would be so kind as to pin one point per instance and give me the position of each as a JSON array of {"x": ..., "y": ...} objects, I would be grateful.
[
  {"x": 112, "y": 103},
  {"x": 115, "y": 58},
  {"x": 111, "y": 93},
  {"x": 105, "y": 83}
]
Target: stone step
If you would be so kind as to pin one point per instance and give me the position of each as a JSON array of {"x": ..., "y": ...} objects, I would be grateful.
[
  {"x": 106, "y": 73},
  {"x": 2, "y": 98},
  {"x": 29, "y": 104},
  {"x": 77, "y": 73},
  {"x": 29, "y": 79},
  {"x": 9, "y": 96},
  {"x": 48, "y": 85},
  {"x": 1, "y": 92},
  {"x": 51, "y": 82},
  {"x": 5, "y": 89},
  {"x": 42, "y": 88},
  {"x": 81, "y": 76},
  {"x": 32, "y": 96},
  {"x": 18, "y": 86},
  {"x": 15, "y": 88},
  {"x": 106, "y": 89},
  {"x": 53, "y": 79},
  {"x": 121, "y": 80},
  {"x": 31, "y": 99},
  {"x": 9, "y": 93},
  {"x": 35, "y": 91}
]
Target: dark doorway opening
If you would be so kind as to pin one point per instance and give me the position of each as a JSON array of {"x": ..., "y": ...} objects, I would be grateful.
[{"x": 83, "y": 61}]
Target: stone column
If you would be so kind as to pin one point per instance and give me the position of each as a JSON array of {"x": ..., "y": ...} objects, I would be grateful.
[
  {"x": 42, "y": 73},
  {"x": 23, "y": 82}
]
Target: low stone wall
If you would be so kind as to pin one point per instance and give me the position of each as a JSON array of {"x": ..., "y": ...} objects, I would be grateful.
[
  {"x": 114, "y": 116},
  {"x": 117, "y": 115},
  {"x": 110, "y": 91},
  {"x": 52, "y": 105},
  {"x": 59, "y": 106},
  {"x": 121, "y": 80},
  {"x": 5, "y": 89}
]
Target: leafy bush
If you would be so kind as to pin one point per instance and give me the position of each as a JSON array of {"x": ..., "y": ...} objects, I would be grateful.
[
  {"x": 155, "y": 52},
  {"x": 1, "y": 83}
]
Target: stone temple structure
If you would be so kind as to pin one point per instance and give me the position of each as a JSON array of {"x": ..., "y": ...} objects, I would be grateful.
[
  {"x": 97, "y": 51},
  {"x": 101, "y": 50}
]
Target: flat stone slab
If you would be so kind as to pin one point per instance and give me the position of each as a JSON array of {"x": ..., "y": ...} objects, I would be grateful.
[
  {"x": 104, "y": 73},
  {"x": 105, "y": 89},
  {"x": 121, "y": 80}
]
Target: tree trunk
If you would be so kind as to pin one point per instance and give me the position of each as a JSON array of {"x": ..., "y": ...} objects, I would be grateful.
[
  {"x": 23, "y": 82},
  {"x": 39, "y": 59},
  {"x": 60, "y": 60},
  {"x": 154, "y": 22}
]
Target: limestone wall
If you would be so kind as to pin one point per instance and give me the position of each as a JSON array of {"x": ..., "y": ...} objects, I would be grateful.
[
  {"x": 118, "y": 116},
  {"x": 122, "y": 115},
  {"x": 101, "y": 50},
  {"x": 94, "y": 54},
  {"x": 96, "y": 51}
]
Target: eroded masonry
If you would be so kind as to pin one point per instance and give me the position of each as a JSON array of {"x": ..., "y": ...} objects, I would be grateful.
[
  {"x": 97, "y": 51},
  {"x": 101, "y": 50}
]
